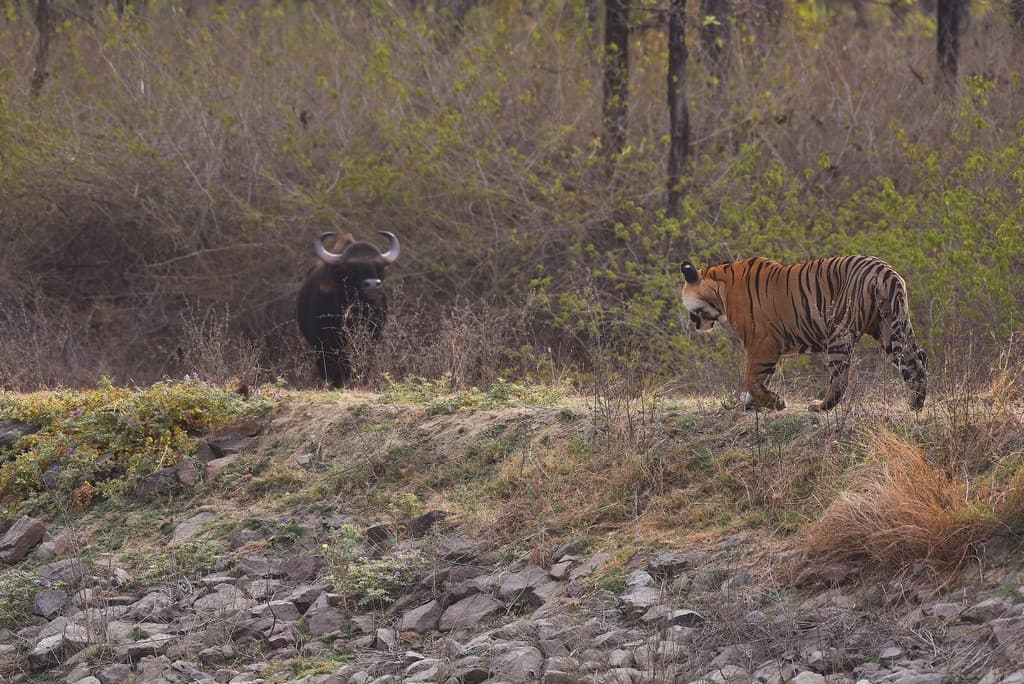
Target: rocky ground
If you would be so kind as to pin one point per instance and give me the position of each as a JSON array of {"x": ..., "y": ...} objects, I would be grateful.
[{"x": 725, "y": 608}]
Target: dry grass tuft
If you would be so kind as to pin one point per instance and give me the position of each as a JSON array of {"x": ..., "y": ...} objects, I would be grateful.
[{"x": 900, "y": 510}]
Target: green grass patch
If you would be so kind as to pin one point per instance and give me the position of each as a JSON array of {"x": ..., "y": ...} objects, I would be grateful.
[{"x": 440, "y": 399}]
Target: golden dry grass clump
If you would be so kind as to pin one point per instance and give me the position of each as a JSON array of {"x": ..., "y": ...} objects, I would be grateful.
[{"x": 900, "y": 509}]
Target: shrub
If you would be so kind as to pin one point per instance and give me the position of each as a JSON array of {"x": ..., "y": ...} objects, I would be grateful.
[
  {"x": 369, "y": 581},
  {"x": 98, "y": 442},
  {"x": 18, "y": 589}
]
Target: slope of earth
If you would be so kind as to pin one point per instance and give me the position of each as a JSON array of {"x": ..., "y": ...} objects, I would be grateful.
[{"x": 364, "y": 538}]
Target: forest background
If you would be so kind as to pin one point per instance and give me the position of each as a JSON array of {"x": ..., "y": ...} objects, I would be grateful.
[{"x": 163, "y": 178}]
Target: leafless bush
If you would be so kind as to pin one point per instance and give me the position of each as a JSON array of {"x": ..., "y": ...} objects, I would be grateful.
[
  {"x": 41, "y": 346},
  {"x": 473, "y": 345},
  {"x": 214, "y": 351}
]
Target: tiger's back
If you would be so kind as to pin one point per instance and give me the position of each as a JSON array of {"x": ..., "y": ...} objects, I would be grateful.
[{"x": 824, "y": 305}]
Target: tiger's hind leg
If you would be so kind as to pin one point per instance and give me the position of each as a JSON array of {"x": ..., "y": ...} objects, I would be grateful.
[
  {"x": 896, "y": 336},
  {"x": 759, "y": 370},
  {"x": 837, "y": 363}
]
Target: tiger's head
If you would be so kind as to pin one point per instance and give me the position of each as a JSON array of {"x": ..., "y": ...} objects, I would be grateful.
[{"x": 703, "y": 298}]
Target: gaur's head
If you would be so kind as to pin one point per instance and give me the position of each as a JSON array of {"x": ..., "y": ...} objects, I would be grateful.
[{"x": 358, "y": 268}]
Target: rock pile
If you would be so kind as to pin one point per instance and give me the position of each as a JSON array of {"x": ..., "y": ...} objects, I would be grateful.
[{"x": 670, "y": 616}]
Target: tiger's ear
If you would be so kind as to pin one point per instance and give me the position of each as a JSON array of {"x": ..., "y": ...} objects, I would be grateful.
[{"x": 690, "y": 273}]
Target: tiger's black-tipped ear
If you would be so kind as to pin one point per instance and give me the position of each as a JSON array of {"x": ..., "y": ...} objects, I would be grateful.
[{"x": 689, "y": 272}]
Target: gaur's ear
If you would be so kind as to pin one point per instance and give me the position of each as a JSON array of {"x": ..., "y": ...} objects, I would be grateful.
[{"x": 690, "y": 273}]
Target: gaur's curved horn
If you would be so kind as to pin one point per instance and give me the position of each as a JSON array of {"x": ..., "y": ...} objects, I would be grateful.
[
  {"x": 321, "y": 251},
  {"x": 391, "y": 255}
]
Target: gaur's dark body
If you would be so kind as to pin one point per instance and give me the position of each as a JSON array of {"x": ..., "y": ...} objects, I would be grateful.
[{"x": 343, "y": 294}]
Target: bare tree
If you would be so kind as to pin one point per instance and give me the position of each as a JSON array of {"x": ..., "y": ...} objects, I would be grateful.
[
  {"x": 44, "y": 23},
  {"x": 948, "y": 14},
  {"x": 679, "y": 115},
  {"x": 616, "y": 75}
]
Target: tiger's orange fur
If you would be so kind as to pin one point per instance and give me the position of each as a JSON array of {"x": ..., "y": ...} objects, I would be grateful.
[{"x": 822, "y": 306}]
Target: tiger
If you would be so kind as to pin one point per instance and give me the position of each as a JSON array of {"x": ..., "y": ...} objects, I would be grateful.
[{"x": 820, "y": 306}]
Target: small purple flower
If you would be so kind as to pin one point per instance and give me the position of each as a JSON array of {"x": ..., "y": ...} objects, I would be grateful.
[
  {"x": 55, "y": 468},
  {"x": 46, "y": 583}
]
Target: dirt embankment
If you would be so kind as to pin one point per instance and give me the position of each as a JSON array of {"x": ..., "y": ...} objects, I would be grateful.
[{"x": 361, "y": 541}]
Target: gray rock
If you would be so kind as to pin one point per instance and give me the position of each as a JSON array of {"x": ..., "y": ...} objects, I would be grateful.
[
  {"x": 153, "y": 607},
  {"x": 216, "y": 466},
  {"x": 167, "y": 480},
  {"x": 427, "y": 670},
  {"x": 304, "y": 595},
  {"x": 571, "y": 547},
  {"x": 470, "y": 612},
  {"x": 669, "y": 562},
  {"x": 641, "y": 598},
  {"x": 161, "y": 670},
  {"x": 588, "y": 566},
  {"x": 943, "y": 611},
  {"x": 516, "y": 663},
  {"x": 24, "y": 534},
  {"x": 808, "y": 677},
  {"x": 421, "y": 524},
  {"x": 282, "y": 611},
  {"x": 684, "y": 618},
  {"x": 49, "y": 602},
  {"x": 561, "y": 569},
  {"x": 639, "y": 578},
  {"x": 386, "y": 638},
  {"x": 324, "y": 619},
  {"x": 531, "y": 586},
  {"x": 234, "y": 438},
  {"x": 553, "y": 648},
  {"x": 153, "y": 645},
  {"x": 225, "y": 598},
  {"x": 422, "y": 619},
  {"x": 55, "y": 648},
  {"x": 470, "y": 670},
  {"x": 189, "y": 528},
  {"x": 989, "y": 609},
  {"x": 255, "y": 565},
  {"x": 118, "y": 673},
  {"x": 302, "y": 568},
  {"x": 12, "y": 430}
]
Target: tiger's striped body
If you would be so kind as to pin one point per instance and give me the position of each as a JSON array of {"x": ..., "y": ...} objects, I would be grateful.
[{"x": 821, "y": 306}]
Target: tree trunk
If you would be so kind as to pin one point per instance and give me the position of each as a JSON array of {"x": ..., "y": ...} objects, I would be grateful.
[
  {"x": 715, "y": 35},
  {"x": 679, "y": 115},
  {"x": 44, "y": 24},
  {"x": 616, "y": 76},
  {"x": 948, "y": 13}
]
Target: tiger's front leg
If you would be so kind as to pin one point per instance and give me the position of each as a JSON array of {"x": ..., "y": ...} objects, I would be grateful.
[{"x": 758, "y": 372}]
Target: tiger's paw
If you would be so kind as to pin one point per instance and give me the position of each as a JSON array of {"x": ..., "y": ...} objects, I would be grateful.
[{"x": 777, "y": 403}]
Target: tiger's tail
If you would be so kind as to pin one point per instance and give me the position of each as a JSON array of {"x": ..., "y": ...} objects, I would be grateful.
[{"x": 897, "y": 337}]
